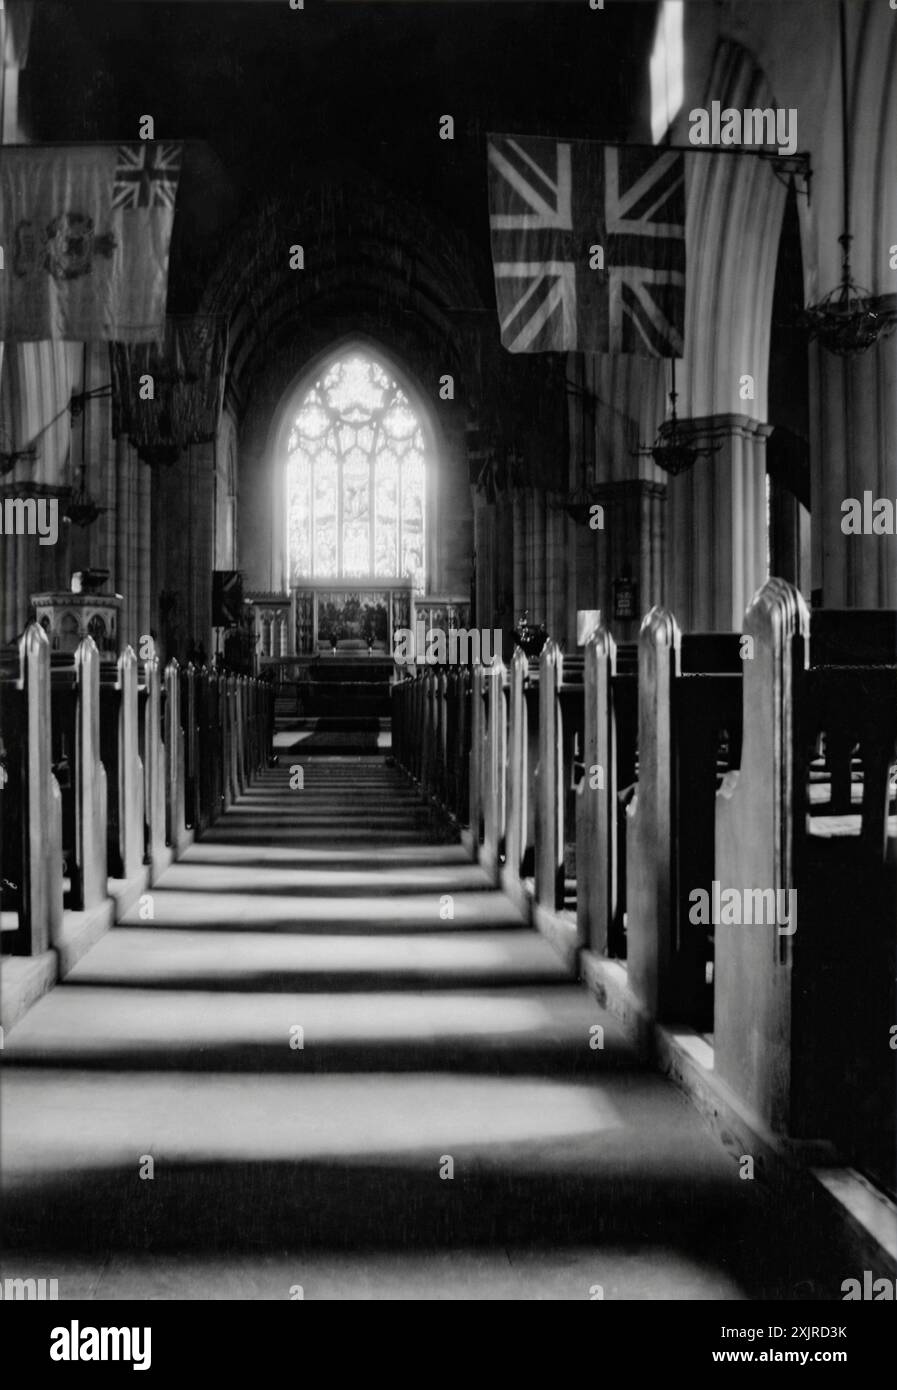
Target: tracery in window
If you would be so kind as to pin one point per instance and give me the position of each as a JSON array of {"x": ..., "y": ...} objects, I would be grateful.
[{"x": 356, "y": 478}]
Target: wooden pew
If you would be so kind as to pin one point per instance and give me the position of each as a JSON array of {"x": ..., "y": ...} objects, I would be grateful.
[
  {"x": 610, "y": 730},
  {"x": 689, "y": 731},
  {"x": 75, "y": 733},
  {"x": 102, "y": 724},
  {"x": 475, "y": 780},
  {"x": 233, "y": 738},
  {"x": 153, "y": 752},
  {"x": 398, "y": 699},
  {"x": 120, "y": 754},
  {"x": 431, "y": 711},
  {"x": 494, "y": 725},
  {"x": 176, "y": 827},
  {"x": 266, "y": 692},
  {"x": 30, "y": 801},
  {"x": 426, "y": 715},
  {"x": 457, "y": 741},
  {"x": 523, "y": 756},
  {"x": 207, "y": 741},
  {"x": 246, "y": 732},
  {"x": 190, "y": 702},
  {"x": 237, "y": 740},
  {"x": 561, "y": 712},
  {"x": 804, "y": 1014},
  {"x": 252, "y": 756}
]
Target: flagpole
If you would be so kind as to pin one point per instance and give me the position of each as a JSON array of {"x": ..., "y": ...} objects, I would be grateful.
[{"x": 797, "y": 163}]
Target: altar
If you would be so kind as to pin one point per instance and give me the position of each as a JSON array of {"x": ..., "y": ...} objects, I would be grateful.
[
  {"x": 340, "y": 619},
  {"x": 349, "y": 618}
]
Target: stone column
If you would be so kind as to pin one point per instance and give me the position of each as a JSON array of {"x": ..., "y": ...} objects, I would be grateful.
[
  {"x": 534, "y": 579},
  {"x": 519, "y": 553},
  {"x": 853, "y": 450},
  {"x": 484, "y": 527},
  {"x": 717, "y": 528},
  {"x": 143, "y": 538},
  {"x": 125, "y": 576},
  {"x": 560, "y": 615},
  {"x": 201, "y": 542}
]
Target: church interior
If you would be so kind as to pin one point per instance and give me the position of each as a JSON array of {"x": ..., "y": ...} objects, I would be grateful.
[{"x": 557, "y": 962}]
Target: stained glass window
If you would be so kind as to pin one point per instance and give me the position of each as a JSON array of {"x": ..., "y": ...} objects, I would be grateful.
[{"x": 356, "y": 474}]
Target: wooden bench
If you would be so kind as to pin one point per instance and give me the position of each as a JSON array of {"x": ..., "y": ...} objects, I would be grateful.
[
  {"x": 75, "y": 742},
  {"x": 523, "y": 757},
  {"x": 561, "y": 726},
  {"x": 804, "y": 1018},
  {"x": 30, "y": 801},
  {"x": 120, "y": 755},
  {"x": 610, "y": 736},
  {"x": 689, "y": 728}
]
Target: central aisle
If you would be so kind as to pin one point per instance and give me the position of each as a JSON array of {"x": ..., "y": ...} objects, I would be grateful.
[{"x": 438, "y": 1034}]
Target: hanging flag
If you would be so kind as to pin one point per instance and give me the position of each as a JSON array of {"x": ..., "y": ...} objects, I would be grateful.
[
  {"x": 16, "y": 17},
  {"x": 87, "y": 231},
  {"x": 588, "y": 246},
  {"x": 169, "y": 394}
]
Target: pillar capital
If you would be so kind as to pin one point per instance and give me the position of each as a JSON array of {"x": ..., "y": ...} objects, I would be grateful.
[{"x": 726, "y": 423}]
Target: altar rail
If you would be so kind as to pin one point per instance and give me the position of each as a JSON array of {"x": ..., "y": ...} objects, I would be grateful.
[
  {"x": 110, "y": 768},
  {"x": 608, "y": 792}
]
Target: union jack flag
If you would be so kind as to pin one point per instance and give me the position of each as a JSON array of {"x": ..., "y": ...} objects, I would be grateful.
[
  {"x": 550, "y": 201},
  {"x": 146, "y": 175}
]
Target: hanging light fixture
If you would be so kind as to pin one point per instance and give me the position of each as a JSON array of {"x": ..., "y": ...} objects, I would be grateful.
[
  {"x": 847, "y": 320},
  {"x": 677, "y": 448},
  {"x": 164, "y": 455},
  {"x": 82, "y": 510}
]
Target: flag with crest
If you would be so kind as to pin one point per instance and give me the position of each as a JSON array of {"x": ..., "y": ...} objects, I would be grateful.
[
  {"x": 588, "y": 245},
  {"x": 86, "y": 231}
]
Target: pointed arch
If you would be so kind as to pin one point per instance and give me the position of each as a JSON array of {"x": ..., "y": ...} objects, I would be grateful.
[{"x": 356, "y": 448}]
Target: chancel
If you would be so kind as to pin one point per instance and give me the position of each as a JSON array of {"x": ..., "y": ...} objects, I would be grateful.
[{"x": 448, "y": 681}]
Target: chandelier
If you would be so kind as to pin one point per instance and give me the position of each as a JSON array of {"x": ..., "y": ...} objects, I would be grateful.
[
  {"x": 677, "y": 447},
  {"x": 846, "y": 321},
  {"x": 161, "y": 455},
  {"x": 82, "y": 510}
]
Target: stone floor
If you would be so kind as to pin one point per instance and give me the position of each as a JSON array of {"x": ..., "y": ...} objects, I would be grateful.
[{"x": 438, "y": 1036}]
